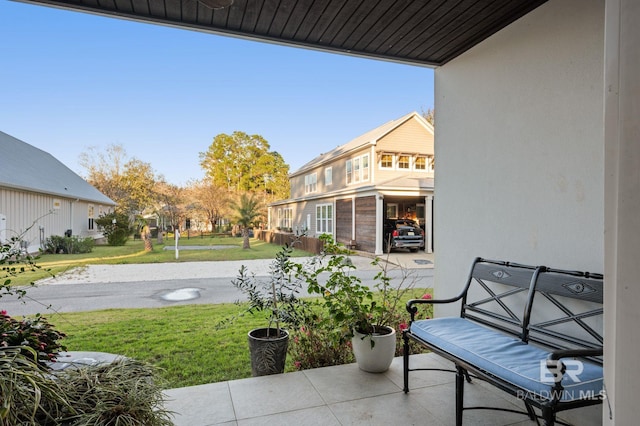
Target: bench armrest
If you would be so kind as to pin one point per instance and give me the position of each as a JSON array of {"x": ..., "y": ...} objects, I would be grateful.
[
  {"x": 570, "y": 353},
  {"x": 412, "y": 309}
]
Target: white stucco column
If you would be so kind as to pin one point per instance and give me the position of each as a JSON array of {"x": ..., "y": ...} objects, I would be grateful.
[
  {"x": 428, "y": 210},
  {"x": 379, "y": 223},
  {"x": 622, "y": 207}
]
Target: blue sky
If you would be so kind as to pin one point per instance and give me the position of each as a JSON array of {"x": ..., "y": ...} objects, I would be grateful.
[{"x": 69, "y": 81}]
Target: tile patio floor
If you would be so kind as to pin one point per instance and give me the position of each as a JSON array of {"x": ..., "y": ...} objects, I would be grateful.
[{"x": 342, "y": 395}]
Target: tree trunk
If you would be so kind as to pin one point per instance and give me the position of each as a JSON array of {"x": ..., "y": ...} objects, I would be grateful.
[
  {"x": 245, "y": 239},
  {"x": 146, "y": 237}
]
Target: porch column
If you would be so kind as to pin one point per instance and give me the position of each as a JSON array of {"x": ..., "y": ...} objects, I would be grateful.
[
  {"x": 428, "y": 210},
  {"x": 622, "y": 204},
  {"x": 268, "y": 218},
  {"x": 353, "y": 218},
  {"x": 379, "y": 223}
]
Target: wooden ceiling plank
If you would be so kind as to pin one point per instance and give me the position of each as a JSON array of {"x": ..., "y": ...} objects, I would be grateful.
[
  {"x": 267, "y": 14},
  {"x": 141, "y": 7},
  {"x": 296, "y": 18},
  {"x": 124, "y": 6},
  {"x": 281, "y": 18},
  {"x": 345, "y": 21},
  {"x": 429, "y": 25},
  {"x": 310, "y": 21},
  {"x": 361, "y": 21},
  {"x": 173, "y": 9},
  {"x": 251, "y": 15},
  {"x": 375, "y": 22},
  {"x": 394, "y": 31},
  {"x": 189, "y": 11},
  {"x": 157, "y": 9},
  {"x": 324, "y": 21}
]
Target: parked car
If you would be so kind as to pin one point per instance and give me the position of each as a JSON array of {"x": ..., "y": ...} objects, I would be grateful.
[{"x": 402, "y": 233}]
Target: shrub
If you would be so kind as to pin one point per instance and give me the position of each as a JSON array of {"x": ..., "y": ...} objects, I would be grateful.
[
  {"x": 313, "y": 346},
  {"x": 116, "y": 227},
  {"x": 68, "y": 245},
  {"x": 124, "y": 392},
  {"x": 28, "y": 394},
  {"x": 37, "y": 338}
]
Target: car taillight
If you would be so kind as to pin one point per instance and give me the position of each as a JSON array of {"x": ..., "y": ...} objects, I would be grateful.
[{"x": 395, "y": 233}]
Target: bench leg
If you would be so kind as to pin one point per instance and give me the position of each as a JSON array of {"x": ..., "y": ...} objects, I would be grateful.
[
  {"x": 531, "y": 412},
  {"x": 460, "y": 378},
  {"x": 405, "y": 361},
  {"x": 548, "y": 417}
]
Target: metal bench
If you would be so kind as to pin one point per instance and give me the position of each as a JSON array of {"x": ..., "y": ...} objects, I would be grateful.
[{"x": 534, "y": 332}]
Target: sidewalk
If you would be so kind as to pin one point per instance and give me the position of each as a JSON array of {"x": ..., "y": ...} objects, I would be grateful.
[{"x": 219, "y": 269}]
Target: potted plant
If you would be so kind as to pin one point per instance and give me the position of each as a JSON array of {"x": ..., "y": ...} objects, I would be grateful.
[
  {"x": 365, "y": 315},
  {"x": 278, "y": 297}
]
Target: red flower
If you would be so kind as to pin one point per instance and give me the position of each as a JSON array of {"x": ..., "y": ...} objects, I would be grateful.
[
  {"x": 403, "y": 326},
  {"x": 426, "y": 296}
]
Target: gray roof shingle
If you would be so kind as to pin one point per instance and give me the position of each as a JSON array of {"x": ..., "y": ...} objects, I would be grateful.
[{"x": 27, "y": 168}]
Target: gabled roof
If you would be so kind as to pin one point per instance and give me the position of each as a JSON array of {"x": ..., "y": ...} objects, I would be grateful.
[
  {"x": 25, "y": 167},
  {"x": 369, "y": 138}
]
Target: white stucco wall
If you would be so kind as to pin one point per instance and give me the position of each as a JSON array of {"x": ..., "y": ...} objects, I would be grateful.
[{"x": 519, "y": 143}]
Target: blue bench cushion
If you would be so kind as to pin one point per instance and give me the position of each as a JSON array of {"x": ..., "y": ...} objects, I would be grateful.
[{"x": 508, "y": 358}]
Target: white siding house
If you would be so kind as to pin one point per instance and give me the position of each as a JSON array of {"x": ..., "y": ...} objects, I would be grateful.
[{"x": 40, "y": 196}]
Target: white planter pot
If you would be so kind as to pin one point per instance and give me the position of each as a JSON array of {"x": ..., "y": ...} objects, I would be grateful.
[{"x": 378, "y": 358}]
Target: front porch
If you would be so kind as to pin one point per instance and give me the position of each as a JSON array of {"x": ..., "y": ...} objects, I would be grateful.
[{"x": 344, "y": 395}]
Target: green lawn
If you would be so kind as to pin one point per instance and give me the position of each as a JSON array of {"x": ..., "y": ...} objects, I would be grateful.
[{"x": 182, "y": 340}]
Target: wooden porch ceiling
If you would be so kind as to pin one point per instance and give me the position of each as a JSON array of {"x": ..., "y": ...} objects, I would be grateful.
[{"x": 419, "y": 32}]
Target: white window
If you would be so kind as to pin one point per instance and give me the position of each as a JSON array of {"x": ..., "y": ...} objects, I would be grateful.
[
  {"x": 403, "y": 162},
  {"x": 357, "y": 169},
  {"x": 328, "y": 176},
  {"x": 91, "y": 216},
  {"x": 420, "y": 163},
  {"x": 311, "y": 183},
  {"x": 386, "y": 161},
  {"x": 324, "y": 219},
  {"x": 392, "y": 211},
  {"x": 285, "y": 216},
  {"x": 365, "y": 167}
]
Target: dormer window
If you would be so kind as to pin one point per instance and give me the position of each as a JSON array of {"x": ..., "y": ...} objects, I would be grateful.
[
  {"x": 386, "y": 161},
  {"x": 404, "y": 162}
]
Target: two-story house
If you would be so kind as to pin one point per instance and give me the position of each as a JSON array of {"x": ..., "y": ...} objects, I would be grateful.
[{"x": 349, "y": 191}]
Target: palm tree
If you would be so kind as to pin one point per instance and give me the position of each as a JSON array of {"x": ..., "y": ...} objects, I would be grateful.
[{"x": 247, "y": 211}]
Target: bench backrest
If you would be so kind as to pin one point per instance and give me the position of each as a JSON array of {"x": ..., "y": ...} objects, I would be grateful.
[
  {"x": 497, "y": 294},
  {"x": 567, "y": 310},
  {"x": 549, "y": 307}
]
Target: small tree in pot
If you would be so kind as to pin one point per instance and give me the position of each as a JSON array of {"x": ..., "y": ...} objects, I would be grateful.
[
  {"x": 278, "y": 297},
  {"x": 364, "y": 314}
]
